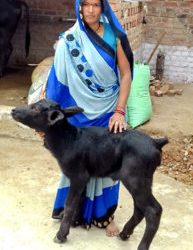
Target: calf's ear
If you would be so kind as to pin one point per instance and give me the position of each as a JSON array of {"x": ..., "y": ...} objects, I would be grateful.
[
  {"x": 54, "y": 116},
  {"x": 72, "y": 111}
]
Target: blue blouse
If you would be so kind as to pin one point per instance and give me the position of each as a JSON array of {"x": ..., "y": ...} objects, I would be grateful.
[{"x": 109, "y": 36}]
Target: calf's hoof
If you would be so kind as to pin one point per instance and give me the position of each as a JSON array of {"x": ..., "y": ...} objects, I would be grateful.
[
  {"x": 124, "y": 236},
  {"x": 58, "y": 239}
]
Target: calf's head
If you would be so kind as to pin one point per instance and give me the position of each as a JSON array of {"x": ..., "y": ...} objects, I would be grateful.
[{"x": 43, "y": 114}]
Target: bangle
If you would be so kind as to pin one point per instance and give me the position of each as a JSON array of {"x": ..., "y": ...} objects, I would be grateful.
[
  {"x": 120, "y": 108},
  {"x": 120, "y": 111}
]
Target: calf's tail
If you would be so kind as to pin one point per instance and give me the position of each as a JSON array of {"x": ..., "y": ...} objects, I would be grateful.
[{"x": 161, "y": 142}]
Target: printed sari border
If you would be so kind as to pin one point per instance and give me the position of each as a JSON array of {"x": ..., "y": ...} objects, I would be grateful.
[{"x": 100, "y": 42}]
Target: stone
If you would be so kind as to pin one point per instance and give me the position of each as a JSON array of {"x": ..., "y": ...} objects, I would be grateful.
[
  {"x": 152, "y": 90},
  {"x": 165, "y": 88},
  {"x": 179, "y": 91},
  {"x": 158, "y": 93},
  {"x": 171, "y": 92}
]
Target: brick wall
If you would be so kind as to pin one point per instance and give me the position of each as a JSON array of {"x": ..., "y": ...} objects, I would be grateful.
[
  {"x": 49, "y": 17},
  {"x": 130, "y": 15},
  {"x": 175, "y": 19}
]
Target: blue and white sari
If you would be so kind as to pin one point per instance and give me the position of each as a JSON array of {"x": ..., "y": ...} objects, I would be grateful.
[{"x": 85, "y": 74}]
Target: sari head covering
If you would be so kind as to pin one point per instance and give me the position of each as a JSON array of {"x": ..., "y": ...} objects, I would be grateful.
[
  {"x": 85, "y": 71},
  {"x": 108, "y": 16},
  {"x": 85, "y": 74}
]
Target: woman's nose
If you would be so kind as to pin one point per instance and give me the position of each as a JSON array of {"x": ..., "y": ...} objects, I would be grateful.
[{"x": 90, "y": 8}]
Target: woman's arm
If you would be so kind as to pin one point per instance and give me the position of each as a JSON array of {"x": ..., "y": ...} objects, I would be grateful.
[{"x": 117, "y": 121}]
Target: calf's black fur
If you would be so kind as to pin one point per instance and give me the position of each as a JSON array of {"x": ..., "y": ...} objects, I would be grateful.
[{"x": 130, "y": 156}]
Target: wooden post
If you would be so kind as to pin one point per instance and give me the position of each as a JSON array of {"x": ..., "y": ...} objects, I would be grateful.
[{"x": 160, "y": 65}]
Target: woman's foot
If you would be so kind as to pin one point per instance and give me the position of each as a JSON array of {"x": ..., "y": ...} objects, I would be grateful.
[{"x": 112, "y": 229}]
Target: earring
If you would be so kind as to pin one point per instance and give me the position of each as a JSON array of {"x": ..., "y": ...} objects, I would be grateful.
[{"x": 80, "y": 12}]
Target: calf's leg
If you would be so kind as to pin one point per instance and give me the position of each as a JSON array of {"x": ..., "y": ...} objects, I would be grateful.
[
  {"x": 145, "y": 205},
  {"x": 132, "y": 223},
  {"x": 152, "y": 212},
  {"x": 76, "y": 189},
  {"x": 77, "y": 218}
]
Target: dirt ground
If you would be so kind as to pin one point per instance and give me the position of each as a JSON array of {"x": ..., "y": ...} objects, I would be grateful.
[{"x": 172, "y": 117}]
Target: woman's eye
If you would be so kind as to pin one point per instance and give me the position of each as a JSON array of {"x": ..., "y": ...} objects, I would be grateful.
[{"x": 85, "y": 4}]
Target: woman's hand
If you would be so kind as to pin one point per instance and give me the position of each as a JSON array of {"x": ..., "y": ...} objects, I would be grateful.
[{"x": 117, "y": 123}]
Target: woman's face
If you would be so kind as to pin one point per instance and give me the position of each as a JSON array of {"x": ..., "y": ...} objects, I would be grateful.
[{"x": 91, "y": 11}]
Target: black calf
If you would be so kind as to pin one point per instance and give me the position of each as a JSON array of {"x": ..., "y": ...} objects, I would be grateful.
[
  {"x": 10, "y": 14},
  {"x": 131, "y": 157}
]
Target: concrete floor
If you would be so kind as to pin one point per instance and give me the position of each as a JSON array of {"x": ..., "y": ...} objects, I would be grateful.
[{"x": 29, "y": 178}]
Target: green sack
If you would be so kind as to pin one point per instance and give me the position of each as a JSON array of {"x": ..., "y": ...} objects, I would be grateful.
[{"x": 139, "y": 106}]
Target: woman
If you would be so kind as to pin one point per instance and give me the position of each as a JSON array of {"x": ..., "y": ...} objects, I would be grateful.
[{"x": 92, "y": 69}]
